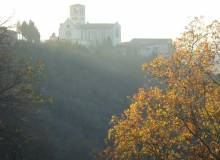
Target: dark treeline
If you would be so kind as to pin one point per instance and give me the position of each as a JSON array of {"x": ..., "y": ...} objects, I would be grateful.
[{"x": 88, "y": 86}]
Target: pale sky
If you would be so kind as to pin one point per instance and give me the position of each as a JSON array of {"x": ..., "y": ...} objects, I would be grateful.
[{"x": 138, "y": 18}]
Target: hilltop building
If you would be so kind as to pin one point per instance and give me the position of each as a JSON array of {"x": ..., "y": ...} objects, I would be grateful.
[
  {"x": 147, "y": 47},
  {"x": 88, "y": 34}
]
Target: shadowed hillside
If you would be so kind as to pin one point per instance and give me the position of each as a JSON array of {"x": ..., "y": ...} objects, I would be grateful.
[{"x": 88, "y": 86}]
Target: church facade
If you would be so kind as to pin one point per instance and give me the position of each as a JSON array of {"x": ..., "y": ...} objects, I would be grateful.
[{"x": 75, "y": 29}]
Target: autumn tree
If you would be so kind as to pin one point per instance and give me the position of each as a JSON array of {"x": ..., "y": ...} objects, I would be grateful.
[
  {"x": 19, "y": 94},
  {"x": 180, "y": 117}
]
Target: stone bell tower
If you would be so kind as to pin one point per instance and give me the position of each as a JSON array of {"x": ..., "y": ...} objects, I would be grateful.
[{"x": 77, "y": 13}]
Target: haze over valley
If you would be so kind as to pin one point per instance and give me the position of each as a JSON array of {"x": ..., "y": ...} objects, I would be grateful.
[{"x": 109, "y": 80}]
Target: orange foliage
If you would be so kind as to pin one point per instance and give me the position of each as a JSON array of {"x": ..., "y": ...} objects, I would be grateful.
[{"x": 181, "y": 119}]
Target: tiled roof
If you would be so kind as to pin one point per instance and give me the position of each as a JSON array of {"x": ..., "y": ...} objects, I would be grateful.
[
  {"x": 97, "y": 26},
  {"x": 150, "y": 41}
]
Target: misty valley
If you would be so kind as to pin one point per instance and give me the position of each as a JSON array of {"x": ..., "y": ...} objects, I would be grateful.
[{"x": 87, "y": 93}]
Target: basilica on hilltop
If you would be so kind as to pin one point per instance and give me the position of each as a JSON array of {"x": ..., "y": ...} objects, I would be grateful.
[{"x": 76, "y": 30}]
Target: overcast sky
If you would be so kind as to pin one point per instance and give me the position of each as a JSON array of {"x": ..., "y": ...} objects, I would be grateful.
[{"x": 138, "y": 18}]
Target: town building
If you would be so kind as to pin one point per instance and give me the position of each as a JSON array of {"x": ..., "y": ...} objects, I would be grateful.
[{"x": 147, "y": 47}]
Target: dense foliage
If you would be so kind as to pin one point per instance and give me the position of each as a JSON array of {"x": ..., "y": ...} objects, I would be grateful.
[
  {"x": 19, "y": 94},
  {"x": 180, "y": 117},
  {"x": 88, "y": 86}
]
